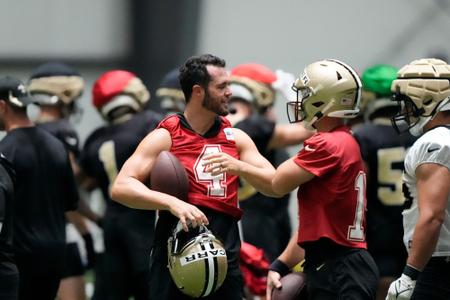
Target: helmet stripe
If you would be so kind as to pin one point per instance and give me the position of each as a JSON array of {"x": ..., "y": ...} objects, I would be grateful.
[
  {"x": 355, "y": 77},
  {"x": 216, "y": 267},
  {"x": 205, "y": 285},
  {"x": 211, "y": 271}
]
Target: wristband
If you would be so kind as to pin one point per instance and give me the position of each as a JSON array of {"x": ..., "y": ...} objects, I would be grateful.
[
  {"x": 412, "y": 272},
  {"x": 279, "y": 267}
]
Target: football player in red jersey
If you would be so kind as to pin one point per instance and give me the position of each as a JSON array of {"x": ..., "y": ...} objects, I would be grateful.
[
  {"x": 214, "y": 155},
  {"x": 331, "y": 198}
]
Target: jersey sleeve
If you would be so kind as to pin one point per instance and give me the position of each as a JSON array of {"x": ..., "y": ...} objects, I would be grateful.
[
  {"x": 317, "y": 156},
  {"x": 432, "y": 152}
]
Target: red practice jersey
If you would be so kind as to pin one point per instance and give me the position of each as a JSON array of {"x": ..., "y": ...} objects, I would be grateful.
[
  {"x": 215, "y": 192},
  {"x": 333, "y": 203}
]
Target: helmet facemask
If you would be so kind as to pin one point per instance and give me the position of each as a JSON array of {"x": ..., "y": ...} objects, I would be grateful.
[
  {"x": 294, "y": 108},
  {"x": 408, "y": 114},
  {"x": 326, "y": 88},
  {"x": 197, "y": 261}
]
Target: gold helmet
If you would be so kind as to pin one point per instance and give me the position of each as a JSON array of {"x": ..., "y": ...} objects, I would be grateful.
[
  {"x": 199, "y": 266},
  {"x": 57, "y": 84},
  {"x": 325, "y": 88},
  {"x": 422, "y": 89}
]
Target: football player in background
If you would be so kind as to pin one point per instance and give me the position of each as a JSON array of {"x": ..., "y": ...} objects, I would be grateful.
[
  {"x": 169, "y": 94},
  {"x": 214, "y": 154},
  {"x": 46, "y": 189},
  {"x": 56, "y": 88},
  {"x": 252, "y": 102},
  {"x": 329, "y": 172},
  {"x": 383, "y": 152},
  {"x": 422, "y": 89},
  {"x": 120, "y": 97},
  {"x": 9, "y": 274}
]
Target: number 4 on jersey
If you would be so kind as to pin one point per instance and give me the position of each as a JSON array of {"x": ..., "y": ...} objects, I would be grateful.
[{"x": 215, "y": 184}]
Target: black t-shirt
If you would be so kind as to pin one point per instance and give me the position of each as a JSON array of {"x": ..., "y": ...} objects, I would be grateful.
[
  {"x": 108, "y": 147},
  {"x": 64, "y": 131},
  {"x": 7, "y": 265},
  {"x": 261, "y": 130},
  {"x": 45, "y": 189},
  {"x": 384, "y": 151}
]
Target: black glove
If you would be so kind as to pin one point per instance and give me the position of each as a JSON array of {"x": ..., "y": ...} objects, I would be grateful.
[{"x": 90, "y": 252}]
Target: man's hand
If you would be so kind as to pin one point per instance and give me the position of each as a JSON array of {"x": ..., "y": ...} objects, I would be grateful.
[
  {"x": 401, "y": 289},
  {"x": 221, "y": 162},
  {"x": 188, "y": 214},
  {"x": 273, "y": 282}
]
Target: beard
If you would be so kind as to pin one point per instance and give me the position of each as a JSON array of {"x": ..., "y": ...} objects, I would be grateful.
[{"x": 214, "y": 105}]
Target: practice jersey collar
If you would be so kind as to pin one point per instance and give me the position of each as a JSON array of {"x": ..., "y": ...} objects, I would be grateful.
[{"x": 213, "y": 131}]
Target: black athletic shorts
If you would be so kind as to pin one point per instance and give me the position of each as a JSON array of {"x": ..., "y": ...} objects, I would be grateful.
[
  {"x": 9, "y": 286},
  {"x": 39, "y": 275},
  {"x": 275, "y": 226},
  {"x": 337, "y": 272},
  {"x": 390, "y": 265},
  {"x": 434, "y": 281},
  {"x": 128, "y": 236},
  {"x": 73, "y": 263}
]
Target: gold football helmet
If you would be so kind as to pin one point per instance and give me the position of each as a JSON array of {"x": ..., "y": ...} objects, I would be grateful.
[
  {"x": 54, "y": 82},
  {"x": 325, "y": 88},
  {"x": 422, "y": 89},
  {"x": 199, "y": 266}
]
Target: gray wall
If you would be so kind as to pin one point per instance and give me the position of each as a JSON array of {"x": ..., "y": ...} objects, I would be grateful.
[{"x": 81, "y": 29}]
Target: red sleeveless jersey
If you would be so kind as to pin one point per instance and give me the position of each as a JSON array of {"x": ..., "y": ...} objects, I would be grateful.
[
  {"x": 218, "y": 193},
  {"x": 333, "y": 203}
]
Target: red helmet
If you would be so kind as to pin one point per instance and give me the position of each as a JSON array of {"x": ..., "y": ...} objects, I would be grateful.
[
  {"x": 256, "y": 72},
  {"x": 258, "y": 79},
  {"x": 118, "y": 88}
]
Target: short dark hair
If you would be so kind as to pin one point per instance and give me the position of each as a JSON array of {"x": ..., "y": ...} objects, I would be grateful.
[{"x": 194, "y": 71}]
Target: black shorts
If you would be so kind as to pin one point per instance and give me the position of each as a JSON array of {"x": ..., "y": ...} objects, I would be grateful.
[
  {"x": 73, "y": 264},
  {"x": 390, "y": 265},
  {"x": 349, "y": 274},
  {"x": 9, "y": 286},
  {"x": 128, "y": 237},
  {"x": 39, "y": 275},
  {"x": 434, "y": 281},
  {"x": 270, "y": 231}
]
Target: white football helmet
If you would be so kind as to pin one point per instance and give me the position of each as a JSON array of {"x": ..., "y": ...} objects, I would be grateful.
[
  {"x": 422, "y": 89},
  {"x": 325, "y": 88},
  {"x": 198, "y": 266}
]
